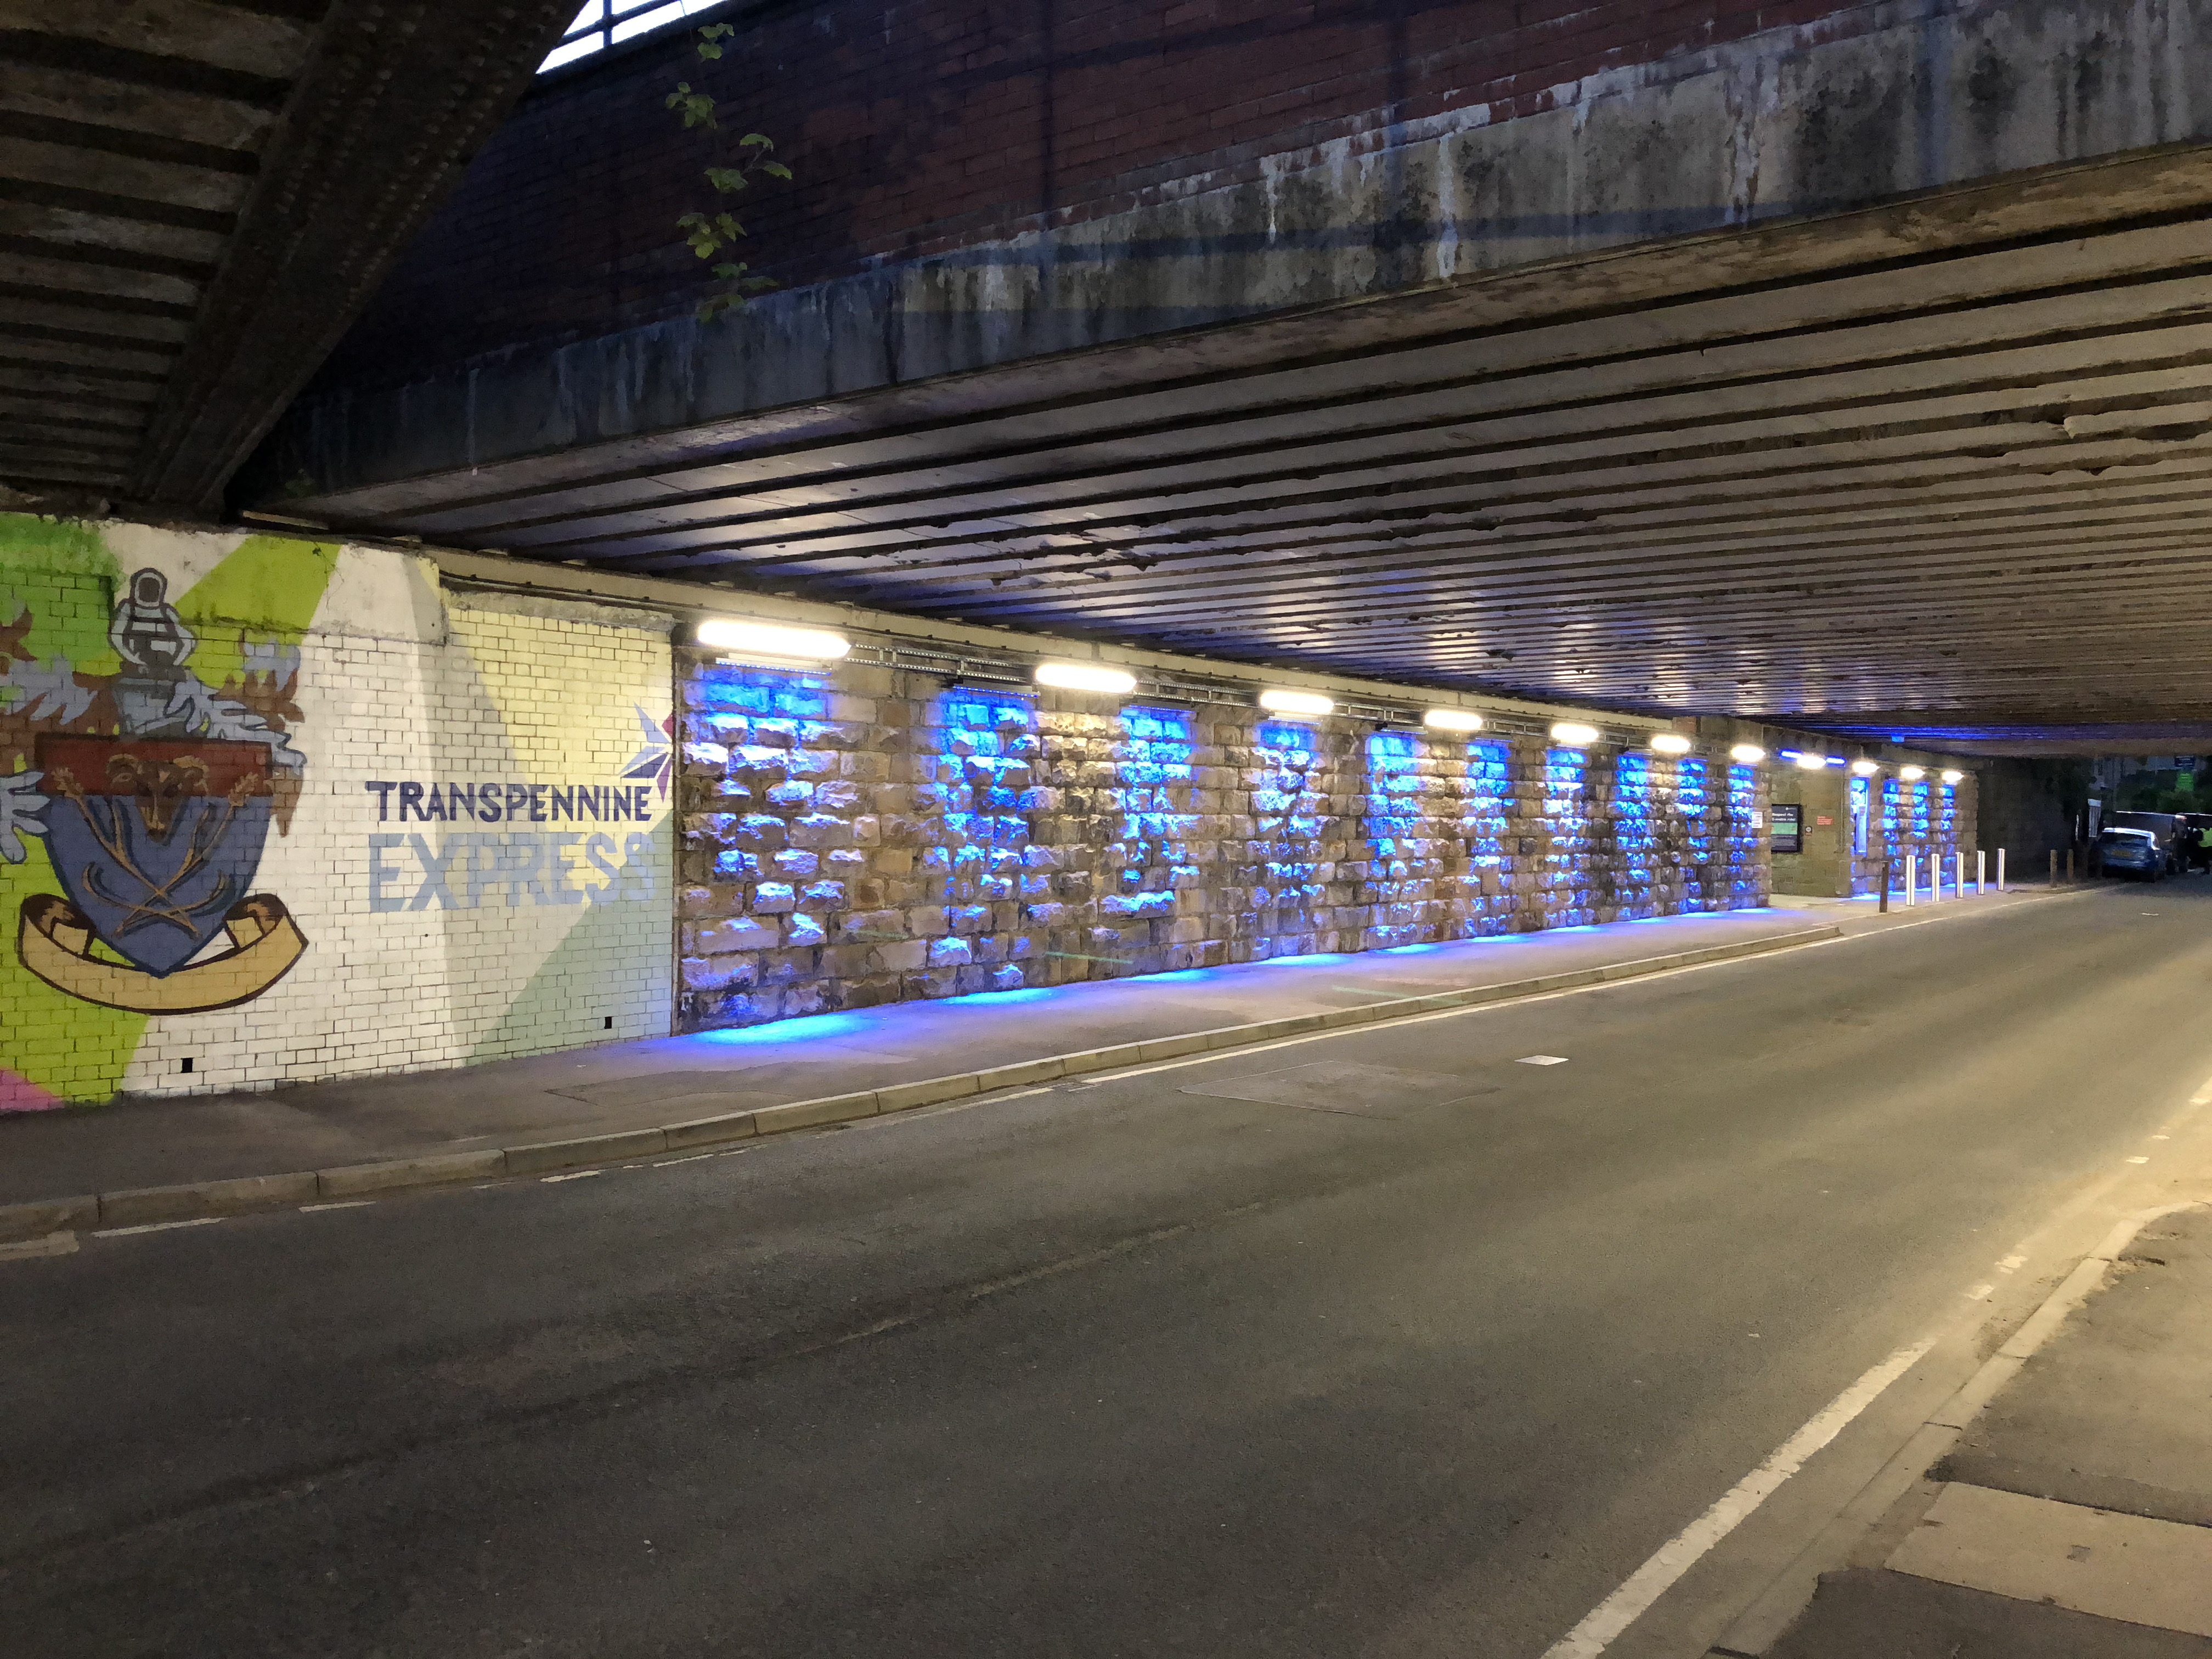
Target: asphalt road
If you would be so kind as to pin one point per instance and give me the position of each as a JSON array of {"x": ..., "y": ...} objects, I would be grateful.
[{"x": 1421, "y": 1355}]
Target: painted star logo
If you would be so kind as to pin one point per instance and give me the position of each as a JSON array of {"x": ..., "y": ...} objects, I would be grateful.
[{"x": 657, "y": 758}]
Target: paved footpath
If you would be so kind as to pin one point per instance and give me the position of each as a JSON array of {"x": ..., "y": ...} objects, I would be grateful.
[
  {"x": 621, "y": 1088},
  {"x": 2072, "y": 1518}
]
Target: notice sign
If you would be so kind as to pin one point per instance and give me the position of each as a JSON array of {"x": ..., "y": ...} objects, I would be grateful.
[{"x": 1786, "y": 833}]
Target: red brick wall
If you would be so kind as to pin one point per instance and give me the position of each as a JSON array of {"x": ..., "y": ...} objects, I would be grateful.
[{"x": 914, "y": 127}]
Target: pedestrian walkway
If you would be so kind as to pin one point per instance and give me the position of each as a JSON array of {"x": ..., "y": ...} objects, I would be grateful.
[
  {"x": 2073, "y": 1518},
  {"x": 626, "y": 1088}
]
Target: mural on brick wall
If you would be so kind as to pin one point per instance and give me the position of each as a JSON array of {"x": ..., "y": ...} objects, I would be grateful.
[
  {"x": 154, "y": 834},
  {"x": 275, "y": 810}
]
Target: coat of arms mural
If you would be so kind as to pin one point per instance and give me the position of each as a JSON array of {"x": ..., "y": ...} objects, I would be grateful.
[{"x": 153, "y": 794}]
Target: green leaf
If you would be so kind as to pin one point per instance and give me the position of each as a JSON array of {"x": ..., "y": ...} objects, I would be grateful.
[
  {"x": 757, "y": 141},
  {"x": 776, "y": 169},
  {"x": 727, "y": 179}
]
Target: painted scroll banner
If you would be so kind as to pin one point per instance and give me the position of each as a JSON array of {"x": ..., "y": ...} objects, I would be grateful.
[{"x": 55, "y": 942}]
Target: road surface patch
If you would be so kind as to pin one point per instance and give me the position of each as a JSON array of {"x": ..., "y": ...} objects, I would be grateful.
[{"x": 1378, "y": 1091}]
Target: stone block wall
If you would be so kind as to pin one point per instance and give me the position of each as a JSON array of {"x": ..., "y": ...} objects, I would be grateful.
[
  {"x": 865, "y": 835},
  {"x": 1855, "y": 828}
]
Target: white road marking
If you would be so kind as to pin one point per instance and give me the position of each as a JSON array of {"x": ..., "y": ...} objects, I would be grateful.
[
  {"x": 2138, "y": 1160},
  {"x": 159, "y": 1226},
  {"x": 62, "y": 1243},
  {"x": 578, "y": 1174},
  {"x": 2203, "y": 1095},
  {"x": 1976, "y": 1292},
  {"x": 343, "y": 1204},
  {"x": 1683, "y": 1552},
  {"x": 670, "y": 1163},
  {"x": 2012, "y": 1264},
  {"x": 1542, "y": 1059},
  {"x": 2161, "y": 1137}
]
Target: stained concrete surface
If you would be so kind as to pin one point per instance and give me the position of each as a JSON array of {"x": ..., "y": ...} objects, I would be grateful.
[
  {"x": 2090, "y": 1470},
  {"x": 1110, "y": 1368},
  {"x": 2116, "y": 1412},
  {"x": 2126, "y": 1567},
  {"x": 1864, "y": 1612}
]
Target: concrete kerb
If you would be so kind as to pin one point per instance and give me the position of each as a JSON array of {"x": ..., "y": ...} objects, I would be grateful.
[
  {"x": 1761, "y": 1624},
  {"x": 192, "y": 1200}
]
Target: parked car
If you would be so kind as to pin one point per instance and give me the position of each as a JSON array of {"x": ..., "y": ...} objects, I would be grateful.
[
  {"x": 2166, "y": 828},
  {"x": 2125, "y": 851}
]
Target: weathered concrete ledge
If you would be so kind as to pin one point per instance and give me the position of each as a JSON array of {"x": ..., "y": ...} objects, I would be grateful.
[{"x": 1795, "y": 125}]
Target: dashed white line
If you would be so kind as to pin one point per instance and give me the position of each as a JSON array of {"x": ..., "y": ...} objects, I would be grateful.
[
  {"x": 341, "y": 1204},
  {"x": 2138, "y": 1160},
  {"x": 574, "y": 1175},
  {"x": 159, "y": 1226},
  {"x": 1542, "y": 1059}
]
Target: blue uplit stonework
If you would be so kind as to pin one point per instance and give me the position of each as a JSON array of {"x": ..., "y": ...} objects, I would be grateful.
[
  {"x": 1746, "y": 836},
  {"x": 1396, "y": 881},
  {"x": 875, "y": 835},
  {"x": 1567, "y": 822},
  {"x": 984, "y": 787},
  {"x": 1286, "y": 819},
  {"x": 1635, "y": 837},
  {"x": 1148, "y": 863}
]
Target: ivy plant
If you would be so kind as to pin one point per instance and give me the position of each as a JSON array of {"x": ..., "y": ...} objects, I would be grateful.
[{"x": 713, "y": 235}]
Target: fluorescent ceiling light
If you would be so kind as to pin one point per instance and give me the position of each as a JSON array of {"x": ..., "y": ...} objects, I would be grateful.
[
  {"x": 1911, "y": 774},
  {"x": 1084, "y": 677},
  {"x": 1575, "y": 734},
  {"x": 1452, "y": 719},
  {"x": 1865, "y": 769},
  {"x": 774, "y": 641},
  {"x": 1809, "y": 762},
  {"x": 1750, "y": 754},
  {"x": 1296, "y": 703},
  {"x": 1954, "y": 777},
  {"x": 1671, "y": 743}
]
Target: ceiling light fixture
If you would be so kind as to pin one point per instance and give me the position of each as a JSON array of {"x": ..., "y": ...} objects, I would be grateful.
[
  {"x": 1808, "y": 761},
  {"x": 1670, "y": 743},
  {"x": 1954, "y": 775},
  {"x": 1575, "y": 735},
  {"x": 772, "y": 642},
  {"x": 1452, "y": 719},
  {"x": 1084, "y": 677},
  {"x": 1864, "y": 768},
  {"x": 1296, "y": 703},
  {"x": 1911, "y": 774},
  {"x": 1747, "y": 754}
]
